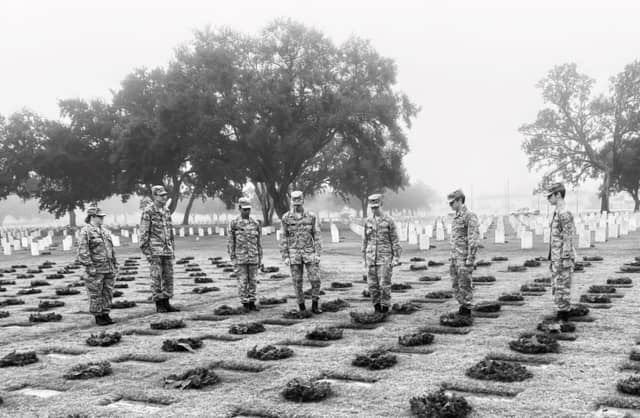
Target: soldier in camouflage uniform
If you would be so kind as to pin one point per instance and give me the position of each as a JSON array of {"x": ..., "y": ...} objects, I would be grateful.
[
  {"x": 464, "y": 246},
  {"x": 245, "y": 251},
  {"x": 157, "y": 245},
  {"x": 381, "y": 251},
  {"x": 300, "y": 247},
  {"x": 95, "y": 252},
  {"x": 562, "y": 252}
]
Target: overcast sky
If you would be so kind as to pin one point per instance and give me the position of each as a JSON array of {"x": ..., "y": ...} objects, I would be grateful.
[{"x": 472, "y": 66}]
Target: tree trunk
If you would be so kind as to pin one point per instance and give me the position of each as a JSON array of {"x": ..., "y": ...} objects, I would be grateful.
[
  {"x": 636, "y": 200},
  {"x": 187, "y": 211},
  {"x": 266, "y": 203},
  {"x": 363, "y": 203},
  {"x": 604, "y": 193},
  {"x": 280, "y": 198},
  {"x": 72, "y": 218}
]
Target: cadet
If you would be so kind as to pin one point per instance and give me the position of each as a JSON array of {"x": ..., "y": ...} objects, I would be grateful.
[
  {"x": 157, "y": 244},
  {"x": 95, "y": 252},
  {"x": 300, "y": 246},
  {"x": 245, "y": 251},
  {"x": 464, "y": 246},
  {"x": 562, "y": 253},
  {"x": 381, "y": 251}
]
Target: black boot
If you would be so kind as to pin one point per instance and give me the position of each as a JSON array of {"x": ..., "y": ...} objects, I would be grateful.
[
  {"x": 384, "y": 309},
  {"x": 464, "y": 311},
  {"x": 377, "y": 307},
  {"x": 301, "y": 307},
  {"x": 169, "y": 307},
  {"x": 253, "y": 307},
  {"x": 160, "y": 306},
  {"x": 314, "y": 307},
  {"x": 99, "y": 319},
  {"x": 107, "y": 319},
  {"x": 246, "y": 306},
  {"x": 563, "y": 316}
]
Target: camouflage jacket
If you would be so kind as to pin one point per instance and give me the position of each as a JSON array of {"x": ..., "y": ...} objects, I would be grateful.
[
  {"x": 95, "y": 249},
  {"x": 464, "y": 236},
  {"x": 562, "y": 235},
  {"x": 245, "y": 241},
  {"x": 380, "y": 243},
  {"x": 156, "y": 232},
  {"x": 301, "y": 241}
]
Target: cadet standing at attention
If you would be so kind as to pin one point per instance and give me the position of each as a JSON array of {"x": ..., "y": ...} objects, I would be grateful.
[
  {"x": 245, "y": 250},
  {"x": 300, "y": 247},
  {"x": 562, "y": 252},
  {"x": 381, "y": 251},
  {"x": 157, "y": 245},
  {"x": 95, "y": 252},
  {"x": 464, "y": 246}
]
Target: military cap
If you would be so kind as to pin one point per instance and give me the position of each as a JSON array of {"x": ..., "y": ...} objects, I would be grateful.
[
  {"x": 375, "y": 200},
  {"x": 297, "y": 197},
  {"x": 244, "y": 203},
  {"x": 454, "y": 195},
  {"x": 555, "y": 188},
  {"x": 93, "y": 211},
  {"x": 158, "y": 190}
]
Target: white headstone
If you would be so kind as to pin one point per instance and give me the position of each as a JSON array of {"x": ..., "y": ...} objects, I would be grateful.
[
  {"x": 499, "y": 236},
  {"x": 67, "y": 243},
  {"x": 6, "y": 249},
  {"x": 278, "y": 234},
  {"x": 17, "y": 244},
  {"x": 440, "y": 233},
  {"x": 614, "y": 230},
  {"x": 181, "y": 231},
  {"x": 624, "y": 228},
  {"x": 190, "y": 231},
  {"x": 526, "y": 240},
  {"x": 601, "y": 234},
  {"x": 546, "y": 235},
  {"x": 116, "y": 240},
  {"x": 335, "y": 234},
  {"x": 209, "y": 231},
  {"x": 584, "y": 239},
  {"x": 35, "y": 249},
  {"x": 201, "y": 232},
  {"x": 134, "y": 238},
  {"x": 413, "y": 237},
  {"x": 25, "y": 242},
  {"x": 424, "y": 242}
]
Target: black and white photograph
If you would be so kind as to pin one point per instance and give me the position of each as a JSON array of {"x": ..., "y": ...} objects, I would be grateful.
[{"x": 289, "y": 209}]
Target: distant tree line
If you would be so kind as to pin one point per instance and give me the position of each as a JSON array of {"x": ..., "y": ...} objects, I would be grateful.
[
  {"x": 579, "y": 135},
  {"x": 283, "y": 110}
]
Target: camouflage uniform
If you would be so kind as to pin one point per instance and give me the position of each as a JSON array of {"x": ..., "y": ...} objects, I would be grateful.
[
  {"x": 245, "y": 250},
  {"x": 380, "y": 248},
  {"x": 301, "y": 244},
  {"x": 95, "y": 252},
  {"x": 157, "y": 244},
  {"x": 464, "y": 245},
  {"x": 562, "y": 255}
]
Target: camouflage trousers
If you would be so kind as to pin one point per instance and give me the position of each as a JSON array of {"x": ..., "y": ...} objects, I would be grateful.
[
  {"x": 461, "y": 283},
  {"x": 246, "y": 274},
  {"x": 313, "y": 273},
  {"x": 100, "y": 290},
  {"x": 561, "y": 285},
  {"x": 161, "y": 272},
  {"x": 379, "y": 281}
]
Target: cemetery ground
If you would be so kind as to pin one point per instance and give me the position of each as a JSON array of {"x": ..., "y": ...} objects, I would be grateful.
[{"x": 575, "y": 382}]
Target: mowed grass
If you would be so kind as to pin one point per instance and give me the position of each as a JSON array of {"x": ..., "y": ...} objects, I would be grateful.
[{"x": 585, "y": 369}]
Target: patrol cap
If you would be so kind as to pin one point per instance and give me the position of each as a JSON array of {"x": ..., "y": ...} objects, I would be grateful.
[
  {"x": 94, "y": 211},
  {"x": 455, "y": 195},
  {"x": 297, "y": 197},
  {"x": 555, "y": 188},
  {"x": 244, "y": 203},
  {"x": 375, "y": 200},
  {"x": 158, "y": 191}
]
